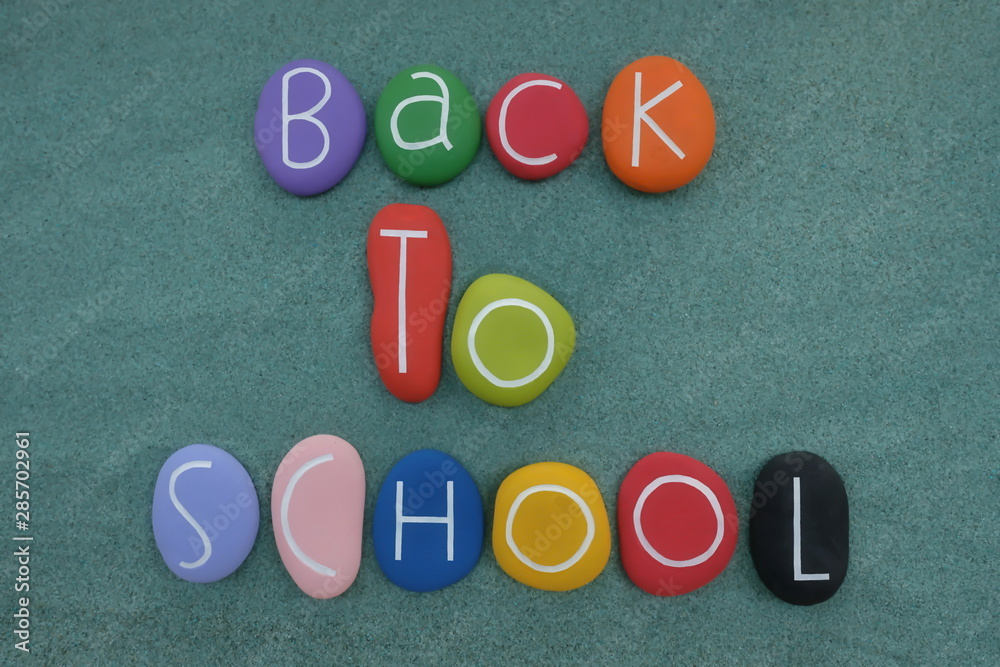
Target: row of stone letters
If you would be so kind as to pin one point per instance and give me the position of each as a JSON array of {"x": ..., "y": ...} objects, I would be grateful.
[
  {"x": 658, "y": 126},
  {"x": 677, "y": 522}
]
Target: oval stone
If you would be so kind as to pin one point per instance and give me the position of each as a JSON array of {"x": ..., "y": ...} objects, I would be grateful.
[
  {"x": 510, "y": 340},
  {"x": 799, "y": 528},
  {"x": 658, "y": 125},
  {"x": 427, "y": 125},
  {"x": 677, "y": 524},
  {"x": 317, "y": 509},
  {"x": 310, "y": 127},
  {"x": 205, "y": 513},
  {"x": 409, "y": 266},
  {"x": 428, "y": 523},
  {"x": 550, "y": 527},
  {"x": 536, "y": 126}
]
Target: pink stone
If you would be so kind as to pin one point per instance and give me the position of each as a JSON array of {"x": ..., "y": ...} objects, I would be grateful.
[{"x": 317, "y": 509}]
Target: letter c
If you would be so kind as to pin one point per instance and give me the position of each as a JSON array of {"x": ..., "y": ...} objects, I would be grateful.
[{"x": 503, "y": 122}]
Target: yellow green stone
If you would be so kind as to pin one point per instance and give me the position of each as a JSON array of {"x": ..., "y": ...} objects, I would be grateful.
[{"x": 510, "y": 340}]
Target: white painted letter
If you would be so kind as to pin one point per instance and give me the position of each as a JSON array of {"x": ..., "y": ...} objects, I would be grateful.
[
  {"x": 640, "y": 116},
  {"x": 797, "y": 540},
  {"x": 448, "y": 519},
  {"x": 503, "y": 123},
  {"x": 442, "y": 137},
  {"x": 587, "y": 514},
  {"x": 720, "y": 526},
  {"x": 286, "y": 500},
  {"x": 187, "y": 515},
  {"x": 287, "y": 118},
  {"x": 549, "y": 350},
  {"x": 402, "y": 235}
]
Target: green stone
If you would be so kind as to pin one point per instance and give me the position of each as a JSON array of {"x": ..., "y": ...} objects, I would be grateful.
[
  {"x": 511, "y": 339},
  {"x": 427, "y": 125}
]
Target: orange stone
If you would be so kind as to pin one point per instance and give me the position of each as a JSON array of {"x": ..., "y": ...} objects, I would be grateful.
[{"x": 658, "y": 125}]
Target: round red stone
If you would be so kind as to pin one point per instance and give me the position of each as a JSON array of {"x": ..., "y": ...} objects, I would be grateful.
[
  {"x": 536, "y": 126},
  {"x": 677, "y": 524}
]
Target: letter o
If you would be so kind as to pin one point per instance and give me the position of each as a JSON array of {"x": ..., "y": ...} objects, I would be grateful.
[
  {"x": 713, "y": 501},
  {"x": 550, "y": 347},
  {"x": 572, "y": 560}
]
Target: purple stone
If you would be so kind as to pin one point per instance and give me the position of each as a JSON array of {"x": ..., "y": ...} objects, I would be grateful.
[
  {"x": 205, "y": 513},
  {"x": 310, "y": 127}
]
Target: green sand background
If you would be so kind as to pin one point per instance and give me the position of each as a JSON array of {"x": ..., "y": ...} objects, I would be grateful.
[{"x": 830, "y": 282}]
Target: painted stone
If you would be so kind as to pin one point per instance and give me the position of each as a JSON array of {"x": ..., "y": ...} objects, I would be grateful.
[
  {"x": 427, "y": 125},
  {"x": 536, "y": 126},
  {"x": 677, "y": 524},
  {"x": 800, "y": 528},
  {"x": 205, "y": 513},
  {"x": 510, "y": 340},
  {"x": 310, "y": 127},
  {"x": 658, "y": 125},
  {"x": 317, "y": 509},
  {"x": 409, "y": 266},
  {"x": 428, "y": 523},
  {"x": 550, "y": 527}
]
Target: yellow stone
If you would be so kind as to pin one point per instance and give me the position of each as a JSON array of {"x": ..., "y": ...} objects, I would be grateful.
[{"x": 550, "y": 527}]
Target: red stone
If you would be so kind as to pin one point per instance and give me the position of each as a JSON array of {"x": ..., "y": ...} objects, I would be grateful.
[
  {"x": 544, "y": 122},
  {"x": 408, "y": 358},
  {"x": 686, "y": 544}
]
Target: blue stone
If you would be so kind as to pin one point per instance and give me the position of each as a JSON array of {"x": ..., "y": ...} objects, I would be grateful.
[
  {"x": 205, "y": 513},
  {"x": 428, "y": 523}
]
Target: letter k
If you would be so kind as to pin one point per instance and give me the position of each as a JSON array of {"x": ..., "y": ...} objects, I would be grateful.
[{"x": 642, "y": 117}]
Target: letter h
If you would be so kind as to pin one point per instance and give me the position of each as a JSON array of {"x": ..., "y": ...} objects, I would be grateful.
[{"x": 448, "y": 519}]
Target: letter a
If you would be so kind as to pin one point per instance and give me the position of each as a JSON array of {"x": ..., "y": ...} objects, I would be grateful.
[
  {"x": 642, "y": 117},
  {"x": 442, "y": 137}
]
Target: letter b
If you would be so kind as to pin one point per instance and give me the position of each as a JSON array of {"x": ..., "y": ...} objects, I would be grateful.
[{"x": 308, "y": 116}]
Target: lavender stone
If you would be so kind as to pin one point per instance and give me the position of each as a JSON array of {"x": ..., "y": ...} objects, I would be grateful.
[
  {"x": 310, "y": 127},
  {"x": 205, "y": 513}
]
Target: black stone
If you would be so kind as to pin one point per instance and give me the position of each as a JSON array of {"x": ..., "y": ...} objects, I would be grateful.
[{"x": 824, "y": 524}]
